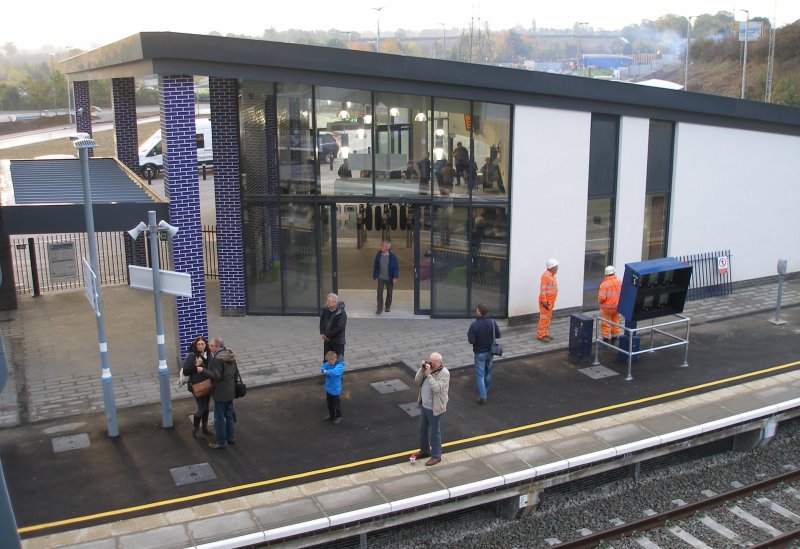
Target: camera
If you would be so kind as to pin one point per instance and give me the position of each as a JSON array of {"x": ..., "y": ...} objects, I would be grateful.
[{"x": 427, "y": 364}]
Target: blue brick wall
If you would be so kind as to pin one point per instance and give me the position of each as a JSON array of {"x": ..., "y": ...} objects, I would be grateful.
[
  {"x": 177, "y": 106},
  {"x": 123, "y": 98},
  {"x": 225, "y": 131},
  {"x": 83, "y": 108}
]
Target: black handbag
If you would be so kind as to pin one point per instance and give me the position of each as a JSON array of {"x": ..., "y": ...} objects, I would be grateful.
[
  {"x": 495, "y": 349},
  {"x": 240, "y": 389}
]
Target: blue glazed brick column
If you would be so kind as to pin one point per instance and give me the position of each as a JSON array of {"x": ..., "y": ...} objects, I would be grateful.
[
  {"x": 83, "y": 108},
  {"x": 176, "y": 95},
  {"x": 227, "y": 198},
  {"x": 123, "y": 98}
]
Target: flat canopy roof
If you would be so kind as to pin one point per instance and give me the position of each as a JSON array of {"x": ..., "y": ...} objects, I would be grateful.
[
  {"x": 46, "y": 196},
  {"x": 154, "y": 53}
]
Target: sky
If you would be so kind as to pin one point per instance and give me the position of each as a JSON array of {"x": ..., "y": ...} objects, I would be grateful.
[{"x": 49, "y": 23}]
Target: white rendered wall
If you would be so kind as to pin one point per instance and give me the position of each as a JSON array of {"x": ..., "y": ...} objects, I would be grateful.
[
  {"x": 738, "y": 190},
  {"x": 634, "y": 134},
  {"x": 548, "y": 204}
]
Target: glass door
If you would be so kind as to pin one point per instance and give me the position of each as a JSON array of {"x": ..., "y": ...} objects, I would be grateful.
[
  {"x": 449, "y": 233},
  {"x": 420, "y": 226}
]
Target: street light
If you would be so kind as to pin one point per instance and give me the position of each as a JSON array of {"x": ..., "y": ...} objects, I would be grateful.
[
  {"x": 444, "y": 40},
  {"x": 348, "y": 33},
  {"x": 688, "y": 39},
  {"x": 746, "y": 40},
  {"x": 378, "y": 38},
  {"x": 83, "y": 142},
  {"x": 163, "y": 371},
  {"x": 578, "y": 58}
]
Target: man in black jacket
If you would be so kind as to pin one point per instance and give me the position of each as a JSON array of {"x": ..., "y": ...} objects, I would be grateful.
[
  {"x": 481, "y": 334},
  {"x": 332, "y": 325},
  {"x": 222, "y": 371}
]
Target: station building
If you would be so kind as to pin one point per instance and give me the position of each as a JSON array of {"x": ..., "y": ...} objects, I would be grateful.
[{"x": 318, "y": 152}]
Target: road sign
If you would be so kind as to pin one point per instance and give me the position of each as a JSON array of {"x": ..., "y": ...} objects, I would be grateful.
[
  {"x": 722, "y": 264},
  {"x": 90, "y": 286},
  {"x": 172, "y": 282},
  {"x": 754, "y": 30}
]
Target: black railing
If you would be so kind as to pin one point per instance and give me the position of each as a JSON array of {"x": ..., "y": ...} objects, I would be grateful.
[
  {"x": 34, "y": 275},
  {"x": 711, "y": 275}
]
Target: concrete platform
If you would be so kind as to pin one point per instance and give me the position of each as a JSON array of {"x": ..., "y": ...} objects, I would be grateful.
[{"x": 291, "y": 473}]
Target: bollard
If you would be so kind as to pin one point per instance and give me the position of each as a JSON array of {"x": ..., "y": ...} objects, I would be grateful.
[
  {"x": 782, "y": 265},
  {"x": 37, "y": 289}
]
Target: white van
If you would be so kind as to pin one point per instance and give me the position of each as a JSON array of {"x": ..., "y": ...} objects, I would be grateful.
[{"x": 150, "y": 161}]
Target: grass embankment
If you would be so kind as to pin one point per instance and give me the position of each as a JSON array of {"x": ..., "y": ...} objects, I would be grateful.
[{"x": 105, "y": 145}]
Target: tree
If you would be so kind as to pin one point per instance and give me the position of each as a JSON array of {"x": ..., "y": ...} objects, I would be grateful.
[{"x": 10, "y": 48}]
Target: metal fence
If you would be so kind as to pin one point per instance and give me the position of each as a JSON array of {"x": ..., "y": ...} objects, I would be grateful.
[
  {"x": 711, "y": 275},
  {"x": 34, "y": 275}
]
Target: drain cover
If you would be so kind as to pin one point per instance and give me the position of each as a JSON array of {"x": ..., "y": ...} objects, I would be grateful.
[
  {"x": 190, "y": 474},
  {"x": 597, "y": 372},
  {"x": 410, "y": 408},
  {"x": 71, "y": 442},
  {"x": 390, "y": 386}
]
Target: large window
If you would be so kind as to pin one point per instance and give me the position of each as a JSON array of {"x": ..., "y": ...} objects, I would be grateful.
[
  {"x": 402, "y": 131},
  {"x": 311, "y": 154},
  {"x": 603, "y": 150},
  {"x": 344, "y": 128},
  {"x": 296, "y": 152},
  {"x": 491, "y": 130},
  {"x": 659, "y": 185}
]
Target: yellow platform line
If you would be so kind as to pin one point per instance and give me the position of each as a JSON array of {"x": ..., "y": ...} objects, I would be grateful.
[{"x": 316, "y": 472}]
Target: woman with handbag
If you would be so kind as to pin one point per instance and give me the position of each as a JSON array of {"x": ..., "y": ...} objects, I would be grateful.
[{"x": 195, "y": 366}]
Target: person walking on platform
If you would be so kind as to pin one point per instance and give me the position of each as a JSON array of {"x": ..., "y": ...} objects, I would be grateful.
[
  {"x": 332, "y": 326},
  {"x": 481, "y": 334},
  {"x": 386, "y": 270},
  {"x": 433, "y": 380},
  {"x": 548, "y": 291},
  {"x": 222, "y": 370},
  {"x": 608, "y": 299},
  {"x": 333, "y": 370},
  {"x": 195, "y": 366}
]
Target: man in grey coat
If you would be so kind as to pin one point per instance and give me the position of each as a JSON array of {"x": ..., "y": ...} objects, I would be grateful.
[{"x": 222, "y": 371}]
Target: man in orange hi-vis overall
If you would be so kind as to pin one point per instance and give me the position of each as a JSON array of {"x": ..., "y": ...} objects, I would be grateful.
[
  {"x": 548, "y": 291},
  {"x": 608, "y": 298}
]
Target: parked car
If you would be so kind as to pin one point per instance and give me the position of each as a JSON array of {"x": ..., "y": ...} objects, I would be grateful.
[
  {"x": 150, "y": 155},
  {"x": 327, "y": 146}
]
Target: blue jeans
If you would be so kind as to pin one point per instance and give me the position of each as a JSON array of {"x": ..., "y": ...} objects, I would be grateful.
[
  {"x": 223, "y": 422},
  {"x": 430, "y": 436},
  {"x": 483, "y": 372}
]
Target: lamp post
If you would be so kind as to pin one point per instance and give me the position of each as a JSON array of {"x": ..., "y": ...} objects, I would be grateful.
[
  {"x": 578, "y": 57},
  {"x": 83, "y": 142},
  {"x": 444, "y": 40},
  {"x": 746, "y": 40},
  {"x": 163, "y": 372},
  {"x": 688, "y": 40},
  {"x": 348, "y": 33},
  {"x": 378, "y": 37}
]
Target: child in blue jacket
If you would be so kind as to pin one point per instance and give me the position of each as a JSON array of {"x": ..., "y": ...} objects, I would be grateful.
[{"x": 333, "y": 369}]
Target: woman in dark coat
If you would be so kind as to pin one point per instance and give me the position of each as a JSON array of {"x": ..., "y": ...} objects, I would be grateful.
[{"x": 195, "y": 366}]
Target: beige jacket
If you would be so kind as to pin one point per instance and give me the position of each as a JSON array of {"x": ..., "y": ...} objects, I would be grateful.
[{"x": 440, "y": 385}]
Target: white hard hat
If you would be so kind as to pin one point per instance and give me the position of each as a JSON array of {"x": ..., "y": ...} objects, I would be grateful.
[
  {"x": 610, "y": 270},
  {"x": 552, "y": 262}
]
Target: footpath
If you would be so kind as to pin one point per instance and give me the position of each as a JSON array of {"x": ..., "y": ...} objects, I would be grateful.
[{"x": 51, "y": 344}]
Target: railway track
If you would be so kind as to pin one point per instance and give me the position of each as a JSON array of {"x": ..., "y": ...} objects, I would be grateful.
[{"x": 762, "y": 514}]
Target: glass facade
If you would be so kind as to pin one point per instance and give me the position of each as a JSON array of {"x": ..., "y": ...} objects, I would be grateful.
[
  {"x": 327, "y": 173},
  {"x": 603, "y": 154},
  {"x": 659, "y": 186}
]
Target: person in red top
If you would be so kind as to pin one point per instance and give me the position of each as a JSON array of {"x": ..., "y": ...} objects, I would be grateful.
[
  {"x": 608, "y": 298},
  {"x": 548, "y": 291}
]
